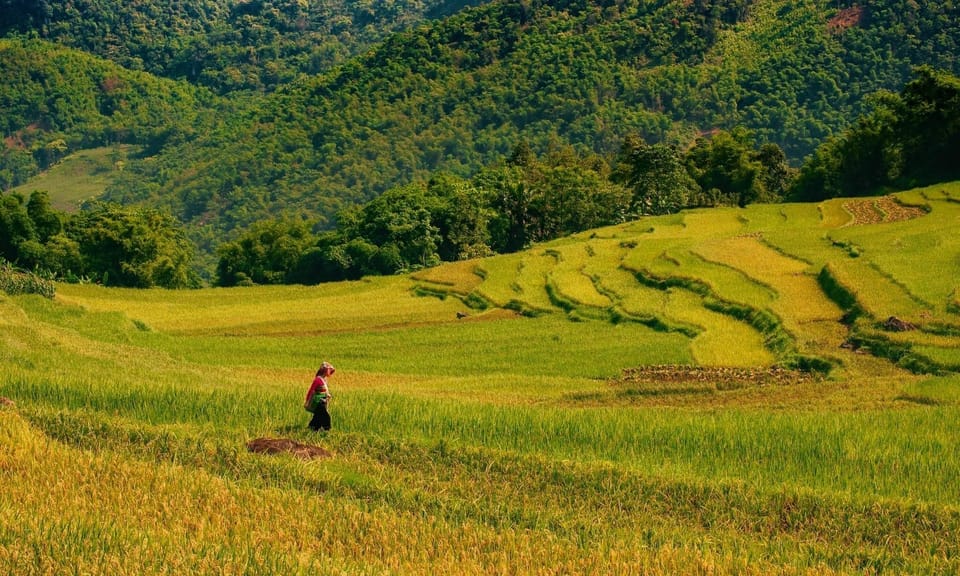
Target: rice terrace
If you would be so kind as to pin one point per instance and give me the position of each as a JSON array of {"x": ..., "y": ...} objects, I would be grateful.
[{"x": 760, "y": 390}]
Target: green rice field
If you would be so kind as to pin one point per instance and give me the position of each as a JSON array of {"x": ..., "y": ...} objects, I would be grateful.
[{"x": 767, "y": 390}]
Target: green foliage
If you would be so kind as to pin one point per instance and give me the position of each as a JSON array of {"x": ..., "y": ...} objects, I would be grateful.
[
  {"x": 56, "y": 100},
  {"x": 138, "y": 248},
  {"x": 16, "y": 227},
  {"x": 114, "y": 245},
  {"x": 267, "y": 253},
  {"x": 45, "y": 220},
  {"x": 228, "y": 46},
  {"x": 462, "y": 218},
  {"x": 402, "y": 218},
  {"x": 842, "y": 295},
  {"x": 928, "y": 128},
  {"x": 14, "y": 282},
  {"x": 908, "y": 139},
  {"x": 657, "y": 177},
  {"x": 729, "y": 171},
  {"x": 537, "y": 199}
]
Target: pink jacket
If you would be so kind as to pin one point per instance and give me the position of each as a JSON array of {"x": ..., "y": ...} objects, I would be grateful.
[{"x": 319, "y": 386}]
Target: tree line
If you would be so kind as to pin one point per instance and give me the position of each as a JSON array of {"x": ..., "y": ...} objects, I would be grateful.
[
  {"x": 908, "y": 138},
  {"x": 448, "y": 95},
  {"x": 107, "y": 244}
]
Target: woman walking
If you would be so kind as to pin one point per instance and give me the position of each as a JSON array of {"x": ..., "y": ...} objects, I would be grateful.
[{"x": 317, "y": 397}]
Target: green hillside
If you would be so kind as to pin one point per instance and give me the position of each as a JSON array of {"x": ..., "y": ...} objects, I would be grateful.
[
  {"x": 453, "y": 94},
  {"x": 622, "y": 401},
  {"x": 80, "y": 176},
  {"x": 458, "y": 94},
  {"x": 224, "y": 45},
  {"x": 57, "y": 100}
]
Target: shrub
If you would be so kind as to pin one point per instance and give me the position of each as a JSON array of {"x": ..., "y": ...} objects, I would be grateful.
[{"x": 13, "y": 282}]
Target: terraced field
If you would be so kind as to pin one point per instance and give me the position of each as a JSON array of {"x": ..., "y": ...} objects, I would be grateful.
[
  {"x": 777, "y": 284},
  {"x": 769, "y": 390}
]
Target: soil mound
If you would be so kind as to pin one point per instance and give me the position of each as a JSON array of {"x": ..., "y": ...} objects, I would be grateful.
[
  {"x": 6, "y": 402},
  {"x": 894, "y": 324},
  {"x": 287, "y": 446}
]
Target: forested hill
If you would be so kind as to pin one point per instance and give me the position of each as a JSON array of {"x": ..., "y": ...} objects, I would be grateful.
[
  {"x": 459, "y": 93},
  {"x": 225, "y": 45},
  {"x": 55, "y": 100}
]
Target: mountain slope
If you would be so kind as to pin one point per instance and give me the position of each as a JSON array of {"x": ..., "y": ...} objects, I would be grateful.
[
  {"x": 460, "y": 93},
  {"x": 56, "y": 100},
  {"x": 226, "y": 45}
]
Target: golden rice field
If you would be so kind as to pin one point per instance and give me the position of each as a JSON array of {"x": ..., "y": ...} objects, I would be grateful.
[{"x": 714, "y": 392}]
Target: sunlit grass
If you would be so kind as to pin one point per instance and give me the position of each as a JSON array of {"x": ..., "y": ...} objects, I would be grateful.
[
  {"x": 879, "y": 295},
  {"x": 921, "y": 196},
  {"x": 493, "y": 441},
  {"x": 935, "y": 391},
  {"x": 895, "y": 249},
  {"x": 81, "y": 176},
  {"x": 799, "y": 298},
  {"x": 724, "y": 280},
  {"x": 532, "y": 278},
  {"x": 719, "y": 334},
  {"x": 456, "y": 277},
  {"x": 944, "y": 355},
  {"x": 288, "y": 518},
  {"x": 571, "y": 283},
  {"x": 370, "y": 303},
  {"x": 500, "y": 279},
  {"x": 708, "y": 223},
  {"x": 833, "y": 214}
]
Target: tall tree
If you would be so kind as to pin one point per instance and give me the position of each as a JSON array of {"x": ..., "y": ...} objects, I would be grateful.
[
  {"x": 267, "y": 253},
  {"x": 138, "y": 248},
  {"x": 45, "y": 219},
  {"x": 16, "y": 228},
  {"x": 725, "y": 169},
  {"x": 462, "y": 218},
  {"x": 929, "y": 126},
  {"x": 656, "y": 175}
]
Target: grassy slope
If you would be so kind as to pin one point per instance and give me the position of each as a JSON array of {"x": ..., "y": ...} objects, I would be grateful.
[
  {"x": 499, "y": 442},
  {"x": 80, "y": 177}
]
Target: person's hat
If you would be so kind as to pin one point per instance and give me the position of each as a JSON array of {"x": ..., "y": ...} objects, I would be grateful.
[{"x": 329, "y": 367}]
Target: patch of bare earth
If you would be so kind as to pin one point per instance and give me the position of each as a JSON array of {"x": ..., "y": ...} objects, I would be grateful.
[
  {"x": 287, "y": 446},
  {"x": 6, "y": 402},
  {"x": 880, "y": 210},
  {"x": 846, "y": 18}
]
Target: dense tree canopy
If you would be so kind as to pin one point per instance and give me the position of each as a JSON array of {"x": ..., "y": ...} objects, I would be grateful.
[
  {"x": 225, "y": 45},
  {"x": 657, "y": 177},
  {"x": 908, "y": 139},
  {"x": 332, "y": 104},
  {"x": 116, "y": 246}
]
